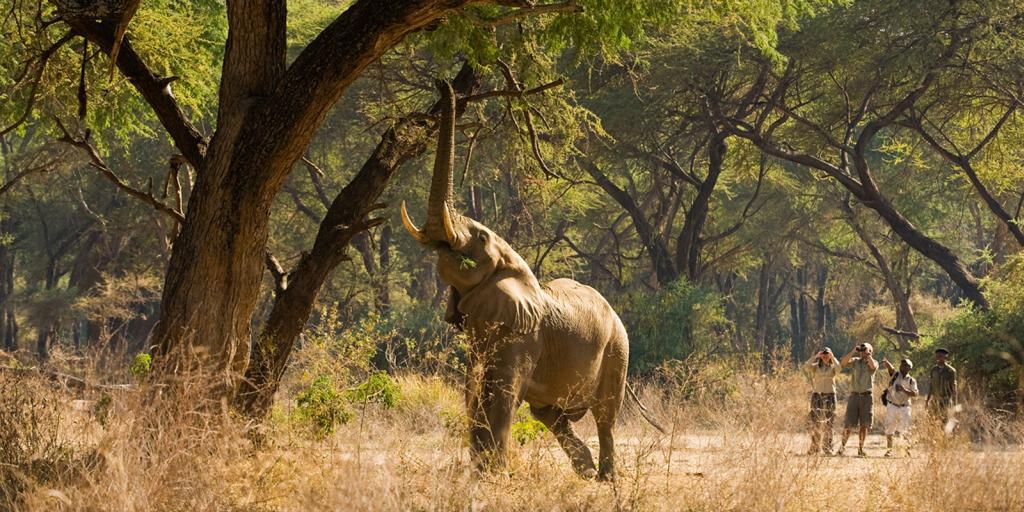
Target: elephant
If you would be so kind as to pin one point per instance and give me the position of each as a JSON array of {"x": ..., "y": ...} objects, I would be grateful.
[{"x": 559, "y": 346}]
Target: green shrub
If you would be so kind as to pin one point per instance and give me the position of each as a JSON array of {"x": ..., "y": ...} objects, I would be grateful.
[
  {"x": 672, "y": 323},
  {"x": 377, "y": 388},
  {"x": 987, "y": 345},
  {"x": 141, "y": 365},
  {"x": 526, "y": 428},
  {"x": 322, "y": 407}
]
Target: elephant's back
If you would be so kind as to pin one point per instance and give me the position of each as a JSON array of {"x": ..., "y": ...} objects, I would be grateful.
[{"x": 580, "y": 307}]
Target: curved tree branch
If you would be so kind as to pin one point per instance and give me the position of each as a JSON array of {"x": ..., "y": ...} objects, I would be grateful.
[{"x": 155, "y": 90}]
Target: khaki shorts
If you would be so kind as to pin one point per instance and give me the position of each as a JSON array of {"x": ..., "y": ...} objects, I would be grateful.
[{"x": 858, "y": 411}]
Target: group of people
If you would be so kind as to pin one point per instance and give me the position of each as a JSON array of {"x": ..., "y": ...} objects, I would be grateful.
[{"x": 824, "y": 368}]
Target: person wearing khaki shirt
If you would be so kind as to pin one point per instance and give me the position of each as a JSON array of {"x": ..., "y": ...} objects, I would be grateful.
[
  {"x": 823, "y": 368},
  {"x": 942, "y": 392},
  {"x": 858, "y": 405}
]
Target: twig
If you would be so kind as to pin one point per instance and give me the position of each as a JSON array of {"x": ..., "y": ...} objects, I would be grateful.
[
  {"x": 515, "y": 93},
  {"x": 97, "y": 162},
  {"x": 14, "y": 181}
]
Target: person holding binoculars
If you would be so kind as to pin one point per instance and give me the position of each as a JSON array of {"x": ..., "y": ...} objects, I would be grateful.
[
  {"x": 823, "y": 368},
  {"x": 858, "y": 406}
]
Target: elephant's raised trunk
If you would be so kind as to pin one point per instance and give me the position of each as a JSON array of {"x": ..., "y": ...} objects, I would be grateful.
[{"x": 439, "y": 226}]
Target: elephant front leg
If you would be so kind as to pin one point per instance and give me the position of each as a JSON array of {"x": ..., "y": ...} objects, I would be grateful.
[{"x": 491, "y": 417}]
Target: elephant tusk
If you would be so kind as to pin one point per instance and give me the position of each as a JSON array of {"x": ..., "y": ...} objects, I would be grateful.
[
  {"x": 411, "y": 228},
  {"x": 449, "y": 229}
]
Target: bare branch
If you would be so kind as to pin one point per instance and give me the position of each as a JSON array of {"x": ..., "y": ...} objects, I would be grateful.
[
  {"x": 32, "y": 170},
  {"x": 316, "y": 175},
  {"x": 514, "y": 93},
  {"x": 97, "y": 162},
  {"x": 155, "y": 90},
  {"x": 276, "y": 271}
]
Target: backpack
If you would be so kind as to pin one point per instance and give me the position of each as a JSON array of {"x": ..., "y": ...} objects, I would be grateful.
[{"x": 885, "y": 393}]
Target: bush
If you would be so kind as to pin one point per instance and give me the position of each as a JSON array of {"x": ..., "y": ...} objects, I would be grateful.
[
  {"x": 415, "y": 336},
  {"x": 987, "y": 345},
  {"x": 672, "y": 323},
  {"x": 322, "y": 407},
  {"x": 141, "y": 365},
  {"x": 332, "y": 349},
  {"x": 699, "y": 377},
  {"x": 526, "y": 428},
  {"x": 378, "y": 388}
]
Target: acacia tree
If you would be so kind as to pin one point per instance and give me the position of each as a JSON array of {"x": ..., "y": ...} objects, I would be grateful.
[
  {"x": 845, "y": 111},
  {"x": 681, "y": 155}
]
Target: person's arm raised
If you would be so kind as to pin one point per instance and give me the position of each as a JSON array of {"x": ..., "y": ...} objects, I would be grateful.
[
  {"x": 846, "y": 359},
  {"x": 872, "y": 364},
  {"x": 888, "y": 366}
]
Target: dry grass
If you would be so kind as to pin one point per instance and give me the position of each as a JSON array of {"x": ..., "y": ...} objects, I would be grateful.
[{"x": 735, "y": 447}]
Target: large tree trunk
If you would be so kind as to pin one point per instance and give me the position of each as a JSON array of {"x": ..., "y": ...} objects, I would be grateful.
[
  {"x": 266, "y": 117},
  {"x": 345, "y": 218}
]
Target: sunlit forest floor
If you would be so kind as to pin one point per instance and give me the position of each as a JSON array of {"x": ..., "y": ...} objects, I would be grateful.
[{"x": 739, "y": 449}]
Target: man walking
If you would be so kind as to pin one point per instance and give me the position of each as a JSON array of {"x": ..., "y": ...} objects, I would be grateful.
[
  {"x": 942, "y": 389},
  {"x": 858, "y": 406},
  {"x": 823, "y": 368},
  {"x": 902, "y": 387}
]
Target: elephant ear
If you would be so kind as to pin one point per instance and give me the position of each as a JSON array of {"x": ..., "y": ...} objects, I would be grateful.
[
  {"x": 510, "y": 298},
  {"x": 452, "y": 314}
]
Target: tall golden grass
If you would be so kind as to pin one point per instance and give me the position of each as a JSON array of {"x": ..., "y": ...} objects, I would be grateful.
[{"x": 736, "y": 442}]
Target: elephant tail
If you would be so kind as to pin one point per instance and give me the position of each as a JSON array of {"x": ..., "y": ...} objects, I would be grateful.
[{"x": 644, "y": 411}]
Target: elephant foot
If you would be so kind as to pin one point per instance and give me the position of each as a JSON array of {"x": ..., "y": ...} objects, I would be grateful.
[
  {"x": 606, "y": 475},
  {"x": 584, "y": 467}
]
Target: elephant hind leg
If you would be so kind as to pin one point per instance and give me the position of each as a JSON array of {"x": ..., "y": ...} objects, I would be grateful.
[
  {"x": 558, "y": 423},
  {"x": 610, "y": 393},
  {"x": 605, "y": 419}
]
